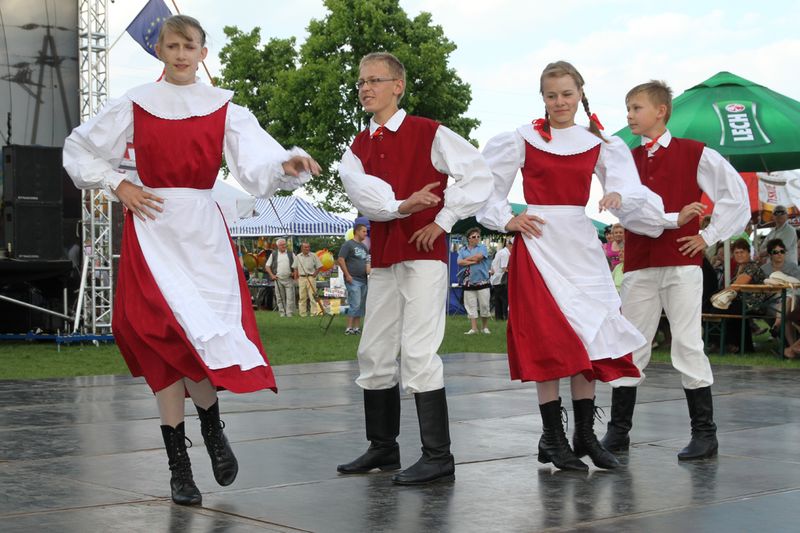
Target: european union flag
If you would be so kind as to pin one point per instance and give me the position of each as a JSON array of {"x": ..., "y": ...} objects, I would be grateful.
[{"x": 145, "y": 27}]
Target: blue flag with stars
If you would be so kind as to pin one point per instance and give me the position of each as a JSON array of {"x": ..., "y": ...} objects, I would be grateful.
[{"x": 145, "y": 27}]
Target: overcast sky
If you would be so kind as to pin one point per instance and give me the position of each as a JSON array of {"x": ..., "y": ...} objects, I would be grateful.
[{"x": 504, "y": 44}]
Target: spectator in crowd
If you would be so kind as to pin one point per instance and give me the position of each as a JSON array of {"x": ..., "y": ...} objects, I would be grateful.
[
  {"x": 472, "y": 258},
  {"x": 499, "y": 279},
  {"x": 747, "y": 271},
  {"x": 613, "y": 247},
  {"x": 279, "y": 270},
  {"x": 777, "y": 263},
  {"x": 777, "y": 252},
  {"x": 355, "y": 266},
  {"x": 306, "y": 266},
  {"x": 784, "y": 232}
]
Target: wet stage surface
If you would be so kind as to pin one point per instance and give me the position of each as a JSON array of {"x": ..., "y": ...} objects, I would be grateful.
[{"x": 85, "y": 455}]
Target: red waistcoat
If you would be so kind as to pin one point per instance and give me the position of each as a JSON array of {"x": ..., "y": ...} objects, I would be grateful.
[
  {"x": 672, "y": 174},
  {"x": 403, "y": 160},
  {"x": 178, "y": 153},
  {"x": 550, "y": 179}
]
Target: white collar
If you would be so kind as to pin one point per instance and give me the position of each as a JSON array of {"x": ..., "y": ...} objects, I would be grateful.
[
  {"x": 177, "y": 102},
  {"x": 663, "y": 140},
  {"x": 566, "y": 141},
  {"x": 393, "y": 124}
]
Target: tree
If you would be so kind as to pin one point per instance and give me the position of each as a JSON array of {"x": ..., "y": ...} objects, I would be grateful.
[{"x": 307, "y": 97}]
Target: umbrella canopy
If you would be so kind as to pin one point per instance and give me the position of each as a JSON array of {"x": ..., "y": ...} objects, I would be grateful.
[
  {"x": 289, "y": 215},
  {"x": 755, "y": 128}
]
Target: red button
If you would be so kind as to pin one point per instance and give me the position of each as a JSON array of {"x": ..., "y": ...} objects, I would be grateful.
[{"x": 382, "y": 156}]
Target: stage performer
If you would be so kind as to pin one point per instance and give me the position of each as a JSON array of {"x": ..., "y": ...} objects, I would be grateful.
[
  {"x": 395, "y": 173},
  {"x": 564, "y": 319},
  {"x": 182, "y": 314},
  {"x": 666, "y": 272}
]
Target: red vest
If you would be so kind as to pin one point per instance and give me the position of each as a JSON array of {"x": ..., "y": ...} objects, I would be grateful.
[
  {"x": 403, "y": 160},
  {"x": 550, "y": 179},
  {"x": 672, "y": 174},
  {"x": 194, "y": 152}
]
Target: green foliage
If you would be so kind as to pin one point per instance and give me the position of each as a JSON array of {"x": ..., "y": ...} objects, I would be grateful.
[{"x": 307, "y": 97}]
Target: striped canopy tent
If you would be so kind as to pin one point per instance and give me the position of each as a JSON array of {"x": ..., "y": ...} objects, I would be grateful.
[{"x": 295, "y": 216}]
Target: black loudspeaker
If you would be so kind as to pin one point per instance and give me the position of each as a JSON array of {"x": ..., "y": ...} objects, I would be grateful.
[{"x": 32, "y": 203}]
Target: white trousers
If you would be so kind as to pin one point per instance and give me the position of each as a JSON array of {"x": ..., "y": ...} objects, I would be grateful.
[
  {"x": 406, "y": 306},
  {"x": 678, "y": 291}
]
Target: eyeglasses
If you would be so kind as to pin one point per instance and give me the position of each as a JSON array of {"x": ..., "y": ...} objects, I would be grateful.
[
  {"x": 776, "y": 252},
  {"x": 372, "y": 81},
  {"x": 474, "y": 236}
]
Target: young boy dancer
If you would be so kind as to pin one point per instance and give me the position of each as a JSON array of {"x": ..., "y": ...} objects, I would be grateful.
[
  {"x": 665, "y": 272},
  {"x": 395, "y": 173}
]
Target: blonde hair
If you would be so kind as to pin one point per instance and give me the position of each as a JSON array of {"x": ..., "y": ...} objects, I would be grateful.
[
  {"x": 181, "y": 24},
  {"x": 657, "y": 91},
  {"x": 390, "y": 60},
  {"x": 558, "y": 69}
]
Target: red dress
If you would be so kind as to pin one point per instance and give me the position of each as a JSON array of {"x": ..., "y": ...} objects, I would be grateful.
[
  {"x": 176, "y": 154},
  {"x": 542, "y": 343}
]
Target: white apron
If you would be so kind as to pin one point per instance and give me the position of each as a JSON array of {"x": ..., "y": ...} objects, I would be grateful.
[
  {"x": 571, "y": 261},
  {"x": 188, "y": 250}
]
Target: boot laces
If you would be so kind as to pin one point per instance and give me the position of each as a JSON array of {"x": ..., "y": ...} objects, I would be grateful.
[
  {"x": 182, "y": 468},
  {"x": 565, "y": 419},
  {"x": 599, "y": 414}
]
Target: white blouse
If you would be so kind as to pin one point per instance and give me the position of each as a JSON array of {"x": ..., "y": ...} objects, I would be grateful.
[
  {"x": 450, "y": 154},
  {"x": 642, "y": 211},
  {"x": 94, "y": 150}
]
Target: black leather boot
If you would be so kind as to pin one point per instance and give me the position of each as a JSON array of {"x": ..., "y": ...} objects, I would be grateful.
[
  {"x": 223, "y": 462},
  {"x": 704, "y": 431},
  {"x": 437, "y": 463},
  {"x": 553, "y": 445},
  {"x": 184, "y": 491},
  {"x": 623, "y": 400},
  {"x": 382, "y": 414},
  {"x": 584, "y": 441}
]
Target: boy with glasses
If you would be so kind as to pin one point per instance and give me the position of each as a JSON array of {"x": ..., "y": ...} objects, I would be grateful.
[
  {"x": 396, "y": 173},
  {"x": 472, "y": 257}
]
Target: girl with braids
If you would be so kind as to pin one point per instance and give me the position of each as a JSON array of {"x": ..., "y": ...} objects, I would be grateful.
[
  {"x": 564, "y": 318},
  {"x": 182, "y": 313}
]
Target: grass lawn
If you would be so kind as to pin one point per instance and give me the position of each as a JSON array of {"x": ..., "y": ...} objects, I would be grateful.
[{"x": 287, "y": 341}]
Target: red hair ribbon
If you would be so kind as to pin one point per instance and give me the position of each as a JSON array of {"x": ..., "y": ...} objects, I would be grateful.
[
  {"x": 593, "y": 118},
  {"x": 378, "y": 132},
  {"x": 538, "y": 125}
]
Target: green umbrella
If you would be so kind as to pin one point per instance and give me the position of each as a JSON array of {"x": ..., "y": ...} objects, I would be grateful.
[{"x": 755, "y": 128}]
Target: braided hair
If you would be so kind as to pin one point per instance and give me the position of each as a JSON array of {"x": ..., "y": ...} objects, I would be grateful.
[{"x": 564, "y": 68}]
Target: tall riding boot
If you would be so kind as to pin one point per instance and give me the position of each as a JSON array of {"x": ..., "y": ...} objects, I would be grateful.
[
  {"x": 623, "y": 400},
  {"x": 584, "y": 441},
  {"x": 382, "y": 414},
  {"x": 436, "y": 463},
  {"x": 704, "y": 431},
  {"x": 184, "y": 491},
  {"x": 553, "y": 445},
  {"x": 223, "y": 462}
]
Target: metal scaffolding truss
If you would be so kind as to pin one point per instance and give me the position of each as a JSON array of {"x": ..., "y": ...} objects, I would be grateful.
[{"x": 98, "y": 273}]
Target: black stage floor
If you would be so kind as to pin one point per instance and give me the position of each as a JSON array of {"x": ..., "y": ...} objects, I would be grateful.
[{"x": 85, "y": 455}]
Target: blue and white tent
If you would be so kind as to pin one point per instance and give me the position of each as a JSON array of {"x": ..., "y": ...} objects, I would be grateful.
[{"x": 295, "y": 216}]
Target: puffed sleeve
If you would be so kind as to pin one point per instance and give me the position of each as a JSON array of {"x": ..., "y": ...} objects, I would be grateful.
[
  {"x": 94, "y": 150},
  {"x": 505, "y": 155},
  {"x": 720, "y": 181},
  {"x": 254, "y": 158},
  {"x": 642, "y": 210},
  {"x": 370, "y": 195},
  {"x": 453, "y": 155}
]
